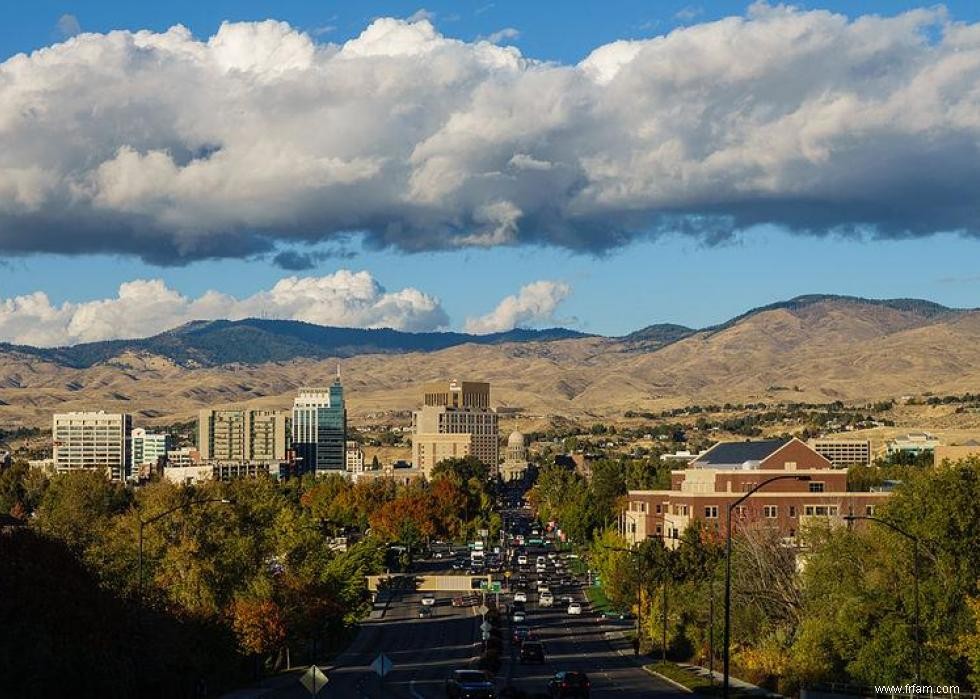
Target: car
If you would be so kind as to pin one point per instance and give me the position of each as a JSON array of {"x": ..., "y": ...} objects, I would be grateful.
[
  {"x": 569, "y": 684},
  {"x": 522, "y": 560},
  {"x": 458, "y": 565},
  {"x": 518, "y": 616},
  {"x": 520, "y": 596},
  {"x": 518, "y": 606},
  {"x": 532, "y": 652},
  {"x": 438, "y": 555},
  {"x": 542, "y": 587},
  {"x": 470, "y": 684},
  {"x": 521, "y": 634},
  {"x": 574, "y": 608},
  {"x": 425, "y": 612},
  {"x": 546, "y": 599},
  {"x": 428, "y": 600}
]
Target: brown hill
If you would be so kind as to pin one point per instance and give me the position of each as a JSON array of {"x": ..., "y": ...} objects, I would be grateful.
[{"x": 821, "y": 350}]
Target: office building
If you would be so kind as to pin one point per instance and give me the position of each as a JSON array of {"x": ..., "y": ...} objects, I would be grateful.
[
  {"x": 721, "y": 475},
  {"x": 950, "y": 454},
  {"x": 242, "y": 435},
  {"x": 354, "y": 457},
  {"x": 148, "y": 447},
  {"x": 843, "y": 452},
  {"x": 913, "y": 443},
  {"x": 320, "y": 429},
  {"x": 93, "y": 440},
  {"x": 455, "y": 421}
]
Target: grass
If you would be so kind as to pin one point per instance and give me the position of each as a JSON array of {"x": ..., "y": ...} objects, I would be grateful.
[
  {"x": 597, "y": 596},
  {"x": 697, "y": 684}
]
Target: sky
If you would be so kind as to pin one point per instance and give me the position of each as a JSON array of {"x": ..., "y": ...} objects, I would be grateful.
[{"x": 479, "y": 165}]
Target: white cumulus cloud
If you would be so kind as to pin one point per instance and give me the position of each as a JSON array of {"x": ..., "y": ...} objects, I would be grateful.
[
  {"x": 174, "y": 148},
  {"x": 534, "y": 304},
  {"x": 145, "y": 307}
]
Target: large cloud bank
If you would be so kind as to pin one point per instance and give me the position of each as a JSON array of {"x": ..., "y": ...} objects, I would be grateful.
[
  {"x": 174, "y": 148},
  {"x": 146, "y": 307}
]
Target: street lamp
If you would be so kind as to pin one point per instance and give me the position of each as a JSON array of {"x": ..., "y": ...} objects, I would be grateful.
[
  {"x": 711, "y": 611},
  {"x": 728, "y": 567},
  {"x": 639, "y": 590},
  {"x": 915, "y": 582},
  {"x": 146, "y": 522}
]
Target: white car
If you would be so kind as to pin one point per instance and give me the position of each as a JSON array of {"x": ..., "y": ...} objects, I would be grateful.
[
  {"x": 518, "y": 617},
  {"x": 522, "y": 560},
  {"x": 543, "y": 589},
  {"x": 428, "y": 600},
  {"x": 575, "y": 608},
  {"x": 546, "y": 599},
  {"x": 520, "y": 596}
]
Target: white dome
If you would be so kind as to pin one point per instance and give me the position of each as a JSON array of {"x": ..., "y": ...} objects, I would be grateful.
[{"x": 516, "y": 439}]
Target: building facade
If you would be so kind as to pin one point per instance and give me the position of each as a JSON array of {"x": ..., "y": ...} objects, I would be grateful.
[
  {"x": 515, "y": 458},
  {"x": 320, "y": 429},
  {"x": 912, "y": 443},
  {"x": 93, "y": 440},
  {"x": 148, "y": 447},
  {"x": 353, "y": 457},
  {"x": 242, "y": 435},
  {"x": 843, "y": 452},
  {"x": 455, "y": 420},
  {"x": 721, "y": 475}
]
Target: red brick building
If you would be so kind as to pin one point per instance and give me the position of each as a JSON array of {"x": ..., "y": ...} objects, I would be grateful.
[{"x": 718, "y": 477}]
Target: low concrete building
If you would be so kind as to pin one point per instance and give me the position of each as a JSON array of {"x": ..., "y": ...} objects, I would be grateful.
[
  {"x": 956, "y": 452},
  {"x": 843, "y": 452},
  {"x": 912, "y": 443}
]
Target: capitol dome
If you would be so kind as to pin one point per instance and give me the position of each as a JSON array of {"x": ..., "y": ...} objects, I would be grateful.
[{"x": 516, "y": 439}]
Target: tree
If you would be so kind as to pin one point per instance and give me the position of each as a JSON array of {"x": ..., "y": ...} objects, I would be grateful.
[{"x": 77, "y": 507}]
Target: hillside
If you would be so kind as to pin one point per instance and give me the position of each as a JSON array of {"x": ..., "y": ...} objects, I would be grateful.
[{"x": 818, "y": 349}]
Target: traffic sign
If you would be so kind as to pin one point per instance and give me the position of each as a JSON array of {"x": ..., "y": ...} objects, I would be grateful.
[
  {"x": 482, "y": 611},
  {"x": 485, "y": 627},
  {"x": 495, "y": 586},
  {"x": 313, "y": 680},
  {"x": 382, "y": 665}
]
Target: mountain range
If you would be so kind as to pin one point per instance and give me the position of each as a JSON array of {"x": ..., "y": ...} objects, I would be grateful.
[{"x": 811, "y": 348}]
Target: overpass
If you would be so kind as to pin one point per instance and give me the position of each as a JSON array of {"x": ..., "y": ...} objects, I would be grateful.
[{"x": 408, "y": 582}]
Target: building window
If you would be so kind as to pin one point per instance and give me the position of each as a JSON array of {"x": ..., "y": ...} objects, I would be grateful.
[
  {"x": 770, "y": 511},
  {"x": 659, "y": 530},
  {"x": 792, "y": 510},
  {"x": 869, "y": 510},
  {"x": 711, "y": 512},
  {"x": 820, "y": 510},
  {"x": 816, "y": 486},
  {"x": 658, "y": 509}
]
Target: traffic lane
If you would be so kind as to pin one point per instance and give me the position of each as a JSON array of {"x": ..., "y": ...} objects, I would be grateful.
[
  {"x": 578, "y": 643},
  {"x": 425, "y": 651}
]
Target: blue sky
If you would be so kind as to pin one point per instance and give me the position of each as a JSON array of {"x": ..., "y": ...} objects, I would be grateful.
[{"x": 671, "y": 278}]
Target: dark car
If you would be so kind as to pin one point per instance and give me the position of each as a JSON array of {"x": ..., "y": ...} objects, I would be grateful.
[
  {"x": 532, "y": 652},
  {"x": 522, "y": 634},
  {"x": 569, "y": 684},
  {"x": 425, "y": 612},
  {"x": 470, "y": 684}
]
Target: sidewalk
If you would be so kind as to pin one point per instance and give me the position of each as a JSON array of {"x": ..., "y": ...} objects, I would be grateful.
[{"x": 617, "y": 639}]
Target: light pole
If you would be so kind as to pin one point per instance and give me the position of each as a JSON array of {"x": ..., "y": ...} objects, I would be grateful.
[
  {"x": 728, "y": 569},
  {"x": 146, "y": 522},
  {"x": 639, "y": 589},
  {"x": 711, "y": 610},
  {"x": 915, "y": 583}
]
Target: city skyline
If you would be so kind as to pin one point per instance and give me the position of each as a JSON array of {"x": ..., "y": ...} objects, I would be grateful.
[{"x": 104, "y": 276}]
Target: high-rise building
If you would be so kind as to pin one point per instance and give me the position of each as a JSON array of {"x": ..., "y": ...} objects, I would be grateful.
[
  {"x": 455, "y": 420},
  {"x": 242, "y": 435},
  {"x": 148, "y": 447},
  {"x": 320, "y": 429},
  {"x": 354, "y": 457},
  {"x": 93, "y": 440}
]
